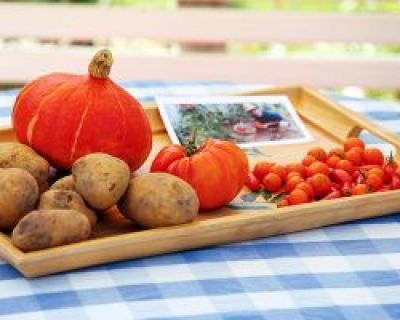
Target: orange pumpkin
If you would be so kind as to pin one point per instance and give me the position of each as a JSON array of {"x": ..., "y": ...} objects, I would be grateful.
[
  {"x": 217, "y": 169},
  {"x": 65, "y": 116}
]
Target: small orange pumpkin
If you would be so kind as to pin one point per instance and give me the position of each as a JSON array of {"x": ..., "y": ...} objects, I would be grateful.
[
  {"x": 65, "y": 116},
  {"x": 217, "y": 169}
]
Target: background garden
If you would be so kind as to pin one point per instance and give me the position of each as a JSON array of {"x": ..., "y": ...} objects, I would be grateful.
[{"x": 271, "y": 49}]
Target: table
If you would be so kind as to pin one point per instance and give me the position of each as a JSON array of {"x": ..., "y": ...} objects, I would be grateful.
[{"x": 350, "y": 271}]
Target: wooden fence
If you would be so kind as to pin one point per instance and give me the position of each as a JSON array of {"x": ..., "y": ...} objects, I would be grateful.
[{"x": 86, "y": 23}]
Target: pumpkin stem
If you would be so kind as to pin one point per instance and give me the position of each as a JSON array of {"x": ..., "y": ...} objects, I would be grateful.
[
  {"x": 101, "y": 63},
  {"x": 191, "y": 146}
]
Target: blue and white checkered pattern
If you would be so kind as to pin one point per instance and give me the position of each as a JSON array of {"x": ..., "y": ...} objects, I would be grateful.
[{"x": 349, "y": 271}]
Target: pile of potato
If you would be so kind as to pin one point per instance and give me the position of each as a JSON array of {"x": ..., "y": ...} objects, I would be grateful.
[{"x": 41, "y": 217}]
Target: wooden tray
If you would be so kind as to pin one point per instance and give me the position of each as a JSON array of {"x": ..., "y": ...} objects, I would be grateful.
[{"x": 329, "y": 124}]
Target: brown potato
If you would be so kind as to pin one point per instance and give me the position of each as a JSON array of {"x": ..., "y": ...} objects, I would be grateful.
[
  {"x": 44, "y": 187},
  {"x": 100, "y": 179},
  {"x": 42, "y": 229},
  {"x": 159, "y": 199},
  {"x": 17, "y": 155},
  {"x": 19, "y": 193},
  {"x": 65, "y": 183},
  {"x": 66, "y": 199}
]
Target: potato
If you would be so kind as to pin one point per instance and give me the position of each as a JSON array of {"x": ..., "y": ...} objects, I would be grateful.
[
  {"x": 66, "y": 199},
  {"x": 17, "y": 155},
  {"x": 65, "y": 183},
  {"x": 100, "y": 179},
  {"x": 42, "y": 229},
  {"x": 44, "y": 187},
  {"x": 159, "y": 199},
  {"x": 19, "y": 193}
]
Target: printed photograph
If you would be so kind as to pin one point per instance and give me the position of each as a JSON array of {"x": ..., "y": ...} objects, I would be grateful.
[{"x": 247, "y": 121}]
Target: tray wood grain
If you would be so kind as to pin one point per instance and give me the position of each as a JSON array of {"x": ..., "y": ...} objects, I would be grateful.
[{"x": 112, "y": 240}]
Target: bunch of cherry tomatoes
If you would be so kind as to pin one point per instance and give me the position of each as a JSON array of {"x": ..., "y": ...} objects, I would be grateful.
[{"x": 340, "y": 172}]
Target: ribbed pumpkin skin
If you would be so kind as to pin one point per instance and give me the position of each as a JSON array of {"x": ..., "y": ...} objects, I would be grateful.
[{"x": 65, "y": 116}]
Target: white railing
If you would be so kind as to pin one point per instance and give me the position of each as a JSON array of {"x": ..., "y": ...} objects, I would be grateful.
[{"x": 77, "y": 22}]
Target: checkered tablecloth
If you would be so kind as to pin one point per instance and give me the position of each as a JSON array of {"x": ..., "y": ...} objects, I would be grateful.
[{"x": 350, "y": 271}]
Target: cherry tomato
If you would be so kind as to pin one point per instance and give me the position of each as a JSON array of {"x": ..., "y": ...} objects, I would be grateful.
[
  {"x": 307, "y": 187},
  {"x": 332, "y": 161},
  {"x": 283, "y": 203},
  {"x": 252, "y": 182},
  {"x": 293, "y": 174},
  {"x": 279, "y": 170},
  {"x": 318, "y": 153},
  {"x": 377, "y": 171},
  {"x": 335, "y": 194},
  {"x": 390, "y": 160},
  {"x": 373, "y": 156},
  {"x": 321, "y": 184},
  {"x": 297, "y": 196},
  {"x": 272, "y": 182},
  {"x": 341, "y": 177},
  {"x": 336, "y": 186},
  {"x": 308, "y": 159},
  {"x": 346, "y": 189},
  {"x": 395, "y": 184},
  {"x": 262, "y": 168},
  {"x": 293, "y": 182},
  {"x": 345, "y": 165},
  {"x": 354, "y": 175},
  {"x": 359, "y": 189},
  {"x": 318, "y": 167},
  {"x": 374, "y": 182},
  {"x": 355, "y": 156},
  {"x": 338, "y": 152},
  {"x": 389, "y": 170},
  {"x": 397, "y": 172},
  {"x": 388, "y": 178},
  {"x": 353, "y": 142},
  {"x": 358, "y": 176},
  {"x": 296, "y": 167},
  {"x": 367, "y": 167}
]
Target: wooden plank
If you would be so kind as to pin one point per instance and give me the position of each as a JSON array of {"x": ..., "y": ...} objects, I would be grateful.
[
  {"x": 8, "y": 251},
  {"x": 214, "y": 231},
  {"x": 88, "y": 22},
  {"x": 21, "y": 66},
  {"x": 226, "y": 224}
]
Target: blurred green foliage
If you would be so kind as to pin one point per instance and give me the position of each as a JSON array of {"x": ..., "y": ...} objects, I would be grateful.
[
  {"x": 320, "y": 5},
  {"x": 143, "y": 3},
  {"x": 54, "y": 1},
  {"x": 293, "y": 5}
]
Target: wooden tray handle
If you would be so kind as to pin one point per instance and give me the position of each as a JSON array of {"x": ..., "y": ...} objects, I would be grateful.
[
  {"x": 359, "y": 122},
  {"x": 378, "y": 131}
]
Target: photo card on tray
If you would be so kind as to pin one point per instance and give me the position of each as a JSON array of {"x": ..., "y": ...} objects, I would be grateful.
[{"x": 248, "y": 121}]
